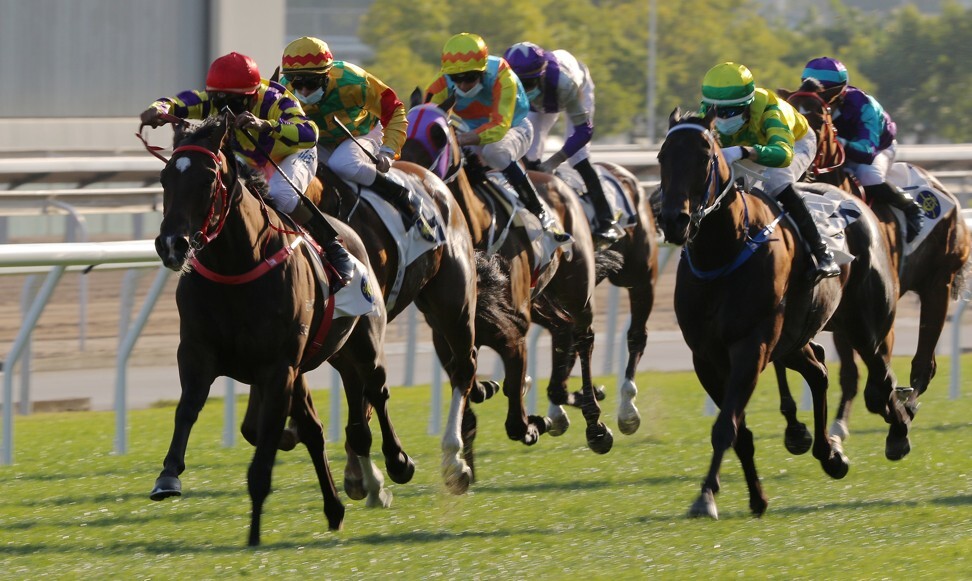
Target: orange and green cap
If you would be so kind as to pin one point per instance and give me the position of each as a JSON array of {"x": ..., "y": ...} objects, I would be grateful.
[{"x": 463, "y": 53}]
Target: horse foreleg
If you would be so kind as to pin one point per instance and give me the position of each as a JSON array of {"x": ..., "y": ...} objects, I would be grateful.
[
  {"x": 273, "y": 416},
  {"x": 458, "y": 355},
  {"x": 796, "y": 437},
  {"x": 746, "y": 451},
  {"x": 518, "y": 425},
  {"x": 311, "y": 432},
  {"x": 884, "y": 398},
  {"x": 599, "y": 437},
  {"x": 455, "y": 472},
  {"x": 712, "y": 382},
  {"x": 849, "y": 378},
  {"x": 196, "y": 380}
]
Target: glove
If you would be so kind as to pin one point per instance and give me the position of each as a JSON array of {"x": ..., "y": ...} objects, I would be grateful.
[
  {"x": 248, "y": 120},
  {"x": 553, "y": 162},
  {"x": 732, "y": 154},
  {"x": 384, "y": 160},
  {"x": 150, "y": 117}
]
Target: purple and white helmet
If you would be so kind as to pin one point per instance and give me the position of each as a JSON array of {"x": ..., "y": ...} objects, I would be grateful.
[{"x": 526, "y": 59}]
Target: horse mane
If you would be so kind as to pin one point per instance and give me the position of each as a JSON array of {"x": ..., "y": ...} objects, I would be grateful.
[
  {"x": 811, "y": 85},
  {"x": 253, "y": 178}
]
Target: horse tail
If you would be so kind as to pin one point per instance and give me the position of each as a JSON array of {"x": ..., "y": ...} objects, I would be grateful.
[
  {"x": 962, "y": 283},
  {"x": 493, "y": 306},
  {"x": 606, "y": 263}
]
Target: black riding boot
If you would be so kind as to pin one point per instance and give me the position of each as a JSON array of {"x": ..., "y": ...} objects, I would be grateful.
[
  {"x": 797, "y": 208},
  {"x": 525, "y": 191},
  {"x": 604, "y": 227},
  {"x": 902, "y": 200},
  {"x": 398, "y": 196},
  {"x": 326, "y": 236}
]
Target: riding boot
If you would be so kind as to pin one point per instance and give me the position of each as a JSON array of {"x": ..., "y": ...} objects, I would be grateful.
[
  {"x": 797, "y": 208},
  {"x": 326, "y": 236},
  {"x": 902, "y": 200},
  {"x": 605, "y": 227},
  {"x": 525, "y": 191}
]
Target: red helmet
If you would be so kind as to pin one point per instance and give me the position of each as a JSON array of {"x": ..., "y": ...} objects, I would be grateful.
[{"x": 233, "y": 73}]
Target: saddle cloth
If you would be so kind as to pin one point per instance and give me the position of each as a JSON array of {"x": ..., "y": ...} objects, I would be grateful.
[
  {"x": 621, "y": 207},
  {"x": 934, "y": 204}
]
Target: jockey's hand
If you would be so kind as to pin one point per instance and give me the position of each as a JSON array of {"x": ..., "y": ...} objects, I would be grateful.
[
  {"x": 247, "y": 120},
  {"x": 468, "y": 138},
  {"x": 384, "y": 160},
  {"x": 150, "y": 117},
  {"x": 553, "y": 162},
  {"x": 733, "y": 154}
]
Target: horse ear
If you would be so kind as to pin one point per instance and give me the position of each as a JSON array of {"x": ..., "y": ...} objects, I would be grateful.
[
  {"x": 275, "y": 77},
  {"x": 709, "y": 116},
  {"x": 221, "y": 134},
  {"x": 449, "y": 103},
  {"x": 416, "y": 98},
  {"x": 674, "y": 117}
]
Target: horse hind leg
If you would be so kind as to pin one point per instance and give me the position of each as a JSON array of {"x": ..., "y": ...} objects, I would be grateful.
[
  {"x": 934, "y": 301},
  {"x": 599, "y": 437},
  {"x": 641, "y": 298},
  {"x": 849, "y": 378},
  {"x": 796, "y": 437}
]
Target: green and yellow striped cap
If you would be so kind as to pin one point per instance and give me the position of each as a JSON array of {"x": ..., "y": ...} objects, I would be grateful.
[{"x": 728, "y": 84}]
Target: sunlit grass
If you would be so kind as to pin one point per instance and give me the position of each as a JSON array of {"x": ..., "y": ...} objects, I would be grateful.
[{"x": 72, "y": 509}]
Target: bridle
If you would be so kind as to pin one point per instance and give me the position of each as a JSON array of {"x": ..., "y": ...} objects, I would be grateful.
[
  {"x": 219, "y": 198},
  {"x": 713, "y": 182},
  {"x": 821, "y": 165}
]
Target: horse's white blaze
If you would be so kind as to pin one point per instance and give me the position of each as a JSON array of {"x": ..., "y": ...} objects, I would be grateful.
[
  {"x": 183, "y": 163},
  {"x": 453, "y": 465}
]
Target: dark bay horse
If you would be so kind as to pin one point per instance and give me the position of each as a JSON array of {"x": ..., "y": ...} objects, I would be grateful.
[
  {"x": 558, "y": 297},
  {"x": 442, "y": 284},
  {"x": 252, "y": 308},
  {"x": 743, "y": 299},
  {"x": 937, "y": 270},
  {"x": 637, "y": 272}
]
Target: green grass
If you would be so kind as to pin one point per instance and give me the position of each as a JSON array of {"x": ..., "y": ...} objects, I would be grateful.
[{"x": 71, "y": 509}]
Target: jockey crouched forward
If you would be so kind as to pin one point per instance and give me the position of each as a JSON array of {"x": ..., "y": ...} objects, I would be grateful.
[
  {"x": 334, "y": 92},
  {"x": 280, "y": 128},
  {"x": 492, "y": 102},
  {"x": 754, "y": 124}
]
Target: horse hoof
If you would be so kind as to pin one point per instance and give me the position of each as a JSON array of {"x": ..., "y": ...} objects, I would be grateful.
[
  {"x": 402, "y": 471},
  {"x": 380, "y": 499},
  {"x": 354, "y": 487},
  {"x": 541, "y": 423},
  {"x": 334, "y": 513},
  {"x": 483, "y": 390},
  {"x": 839, "y": 429},
  {"x": 629, "y": 425},
  {"x": 457, "y": 481},
  {"x": 757, "y": 506},
  {"x": 797, "y": 439},
  {"x": 837, "y": 465},
  {"x": 599, "y": 392},
  {"x": 704, "y": 505},
  {"x": 599, "y": 439},
  {"x": 558, "y": 420},
  {"x": 896, "y": 448},
  {"x": 166, "y": 486}
]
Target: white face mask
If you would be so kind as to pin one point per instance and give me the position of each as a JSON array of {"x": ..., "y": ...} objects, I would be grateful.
[
  {"x": 312, "y": 98},
  {"x": 533, "y": 93},
  {"x": 730, "y": 125},
  {"x": 471, "y": 92}
]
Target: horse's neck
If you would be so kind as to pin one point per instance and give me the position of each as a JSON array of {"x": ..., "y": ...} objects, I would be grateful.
[
  {"x": 477, "y": 214},
  {"x": 243, "y": 239},
  {"x": 722, "y": 231}
]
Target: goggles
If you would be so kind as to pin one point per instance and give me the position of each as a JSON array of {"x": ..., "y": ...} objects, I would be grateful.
[
  {"x": 467, "y": 77},
  {"x": 311, "y": 82},
  {"x": 531, "y": 83},
  {"x": 235, "y": 101},
  {"x": 728, "y": 112}
]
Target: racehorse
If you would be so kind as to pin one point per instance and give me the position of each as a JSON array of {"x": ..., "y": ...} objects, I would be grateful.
[
  {"x": 637, "y": 272},
  {"x": 442, "y": 284},
  {"x": 251, "y": 308},
  {"x": 558, "y": 297},
  {"x": 936, "y": 270},
  {"x": 743, "y": 298}
]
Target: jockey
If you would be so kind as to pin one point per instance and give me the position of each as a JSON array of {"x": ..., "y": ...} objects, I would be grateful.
[
  {"x": 555, "y": 81},
  {"x": 867, "y": 133},
  {"x": 754, "y": 124},
  {"x": 278, "y": 126},
  {"x": 363, "y": 104},
  {"x": 491, "y": 100}
]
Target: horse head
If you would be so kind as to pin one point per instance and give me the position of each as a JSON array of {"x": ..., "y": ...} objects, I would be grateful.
[
  {"x": 693, "y": 174},
  {"x": 430, "y": 140},
  {"x": 812, "y": 101},
  {"x": 195, "y": 199}
]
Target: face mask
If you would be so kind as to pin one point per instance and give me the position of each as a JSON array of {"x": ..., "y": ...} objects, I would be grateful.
[
  {"x": 471, "y": 92},
  {"x": 533, "y": 93},
  {"x": 730, "y": 125},
  {"x": 312, "y": 98}
]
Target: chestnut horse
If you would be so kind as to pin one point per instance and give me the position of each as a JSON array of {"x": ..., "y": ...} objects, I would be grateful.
[
  {"x": 251, "y": 308},
  {"x": 743, "y": 298},
  {"x": 442, "y": 284},
  {"x": 936, "y": 270},
  {"x": 560, "y": 297}
]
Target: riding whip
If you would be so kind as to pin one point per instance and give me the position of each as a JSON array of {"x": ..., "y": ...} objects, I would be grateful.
[{"x": 371, "y": 156}]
